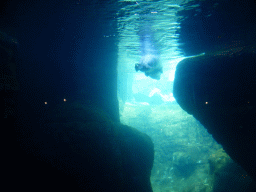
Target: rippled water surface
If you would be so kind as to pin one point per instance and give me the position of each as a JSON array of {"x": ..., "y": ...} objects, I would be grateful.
[{"x": 160, "y": 19}]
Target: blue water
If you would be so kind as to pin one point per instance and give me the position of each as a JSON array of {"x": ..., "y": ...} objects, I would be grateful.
[
  {"x": 58, "y": 57},
  {"x": 183, "y": 147}
]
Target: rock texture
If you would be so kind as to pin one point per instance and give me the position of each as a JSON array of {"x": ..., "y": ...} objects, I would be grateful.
[{"x": 219, "y": 91}]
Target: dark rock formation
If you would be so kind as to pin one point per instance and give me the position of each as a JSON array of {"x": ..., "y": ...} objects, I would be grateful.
[
  {"x": 227, "y": 175},
  {"x": 64, "y": 53},
  {"x": 74, "y": 147},
  {"x": 220, "y": 90}
]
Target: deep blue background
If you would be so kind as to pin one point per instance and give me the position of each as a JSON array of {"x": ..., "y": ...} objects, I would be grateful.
[{"x": 62, "y": 51}]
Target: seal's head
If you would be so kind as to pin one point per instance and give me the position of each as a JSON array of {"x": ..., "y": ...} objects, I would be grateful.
[{"x": 137, "y": 67}]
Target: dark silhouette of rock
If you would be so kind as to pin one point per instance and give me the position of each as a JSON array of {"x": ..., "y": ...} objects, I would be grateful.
[
  {"x": 60, "y": 121},
  {"x": 220, "y": 90}
]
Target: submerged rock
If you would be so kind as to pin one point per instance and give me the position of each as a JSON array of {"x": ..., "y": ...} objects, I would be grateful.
[
  {"x": 219, "y": 91},
  {"x": 228, "y": 175},
  {"x": 75, "y": 146}
]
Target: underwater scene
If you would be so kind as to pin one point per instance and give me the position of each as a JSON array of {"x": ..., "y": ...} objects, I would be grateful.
[
  {"x": 187, "y": 157},
  {"x": 128, "y": 95}
]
